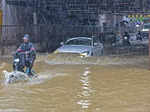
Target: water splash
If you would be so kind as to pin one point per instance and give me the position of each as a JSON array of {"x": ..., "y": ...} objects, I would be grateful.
[{"x": 44, "y": 76}]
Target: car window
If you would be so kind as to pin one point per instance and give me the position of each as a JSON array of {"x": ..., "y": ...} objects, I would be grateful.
[{"x": 79, "y": 42}]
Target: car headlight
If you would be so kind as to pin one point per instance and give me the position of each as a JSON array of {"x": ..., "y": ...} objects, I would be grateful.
[
  {"x": 85, "y": 53},
  {"x": 56, "y": 51}
]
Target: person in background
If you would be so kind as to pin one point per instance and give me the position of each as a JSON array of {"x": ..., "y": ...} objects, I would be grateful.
[
  {"x": 126, "y": 39},
  {"x": 139, "y": 36}
]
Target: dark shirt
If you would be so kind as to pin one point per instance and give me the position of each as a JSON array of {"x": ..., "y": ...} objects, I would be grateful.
[{"x": 26, "y": 47}]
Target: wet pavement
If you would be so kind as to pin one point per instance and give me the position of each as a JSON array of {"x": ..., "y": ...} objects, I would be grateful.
[{"x": 76, "y": 84}]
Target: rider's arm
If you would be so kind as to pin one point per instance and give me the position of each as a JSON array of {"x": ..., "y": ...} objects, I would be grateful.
[
  {"x": 32, "y": 51},
  {"x": 20, "y": 49}
]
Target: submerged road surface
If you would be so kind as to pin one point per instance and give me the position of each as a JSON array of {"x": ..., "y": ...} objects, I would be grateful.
[{"x": 74, "y": 84}]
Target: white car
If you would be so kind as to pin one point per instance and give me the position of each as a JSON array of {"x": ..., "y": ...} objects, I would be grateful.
[{"x": 84, "y": 46}]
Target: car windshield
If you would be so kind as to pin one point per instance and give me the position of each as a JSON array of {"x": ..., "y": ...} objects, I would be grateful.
[{"x": 86, "y": 42}]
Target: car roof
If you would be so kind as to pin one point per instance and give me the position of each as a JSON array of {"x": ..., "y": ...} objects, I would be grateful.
[{"x": 79, "y": 38}]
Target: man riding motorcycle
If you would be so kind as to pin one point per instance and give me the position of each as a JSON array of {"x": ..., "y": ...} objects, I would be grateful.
[{"x": 26, "y": 54}]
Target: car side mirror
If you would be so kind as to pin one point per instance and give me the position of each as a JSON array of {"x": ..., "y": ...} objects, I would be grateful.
[{"x": 61, "y": 43}]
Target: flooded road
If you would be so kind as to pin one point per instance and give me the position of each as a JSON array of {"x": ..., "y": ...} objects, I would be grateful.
[{"x": 75, "y": 84}]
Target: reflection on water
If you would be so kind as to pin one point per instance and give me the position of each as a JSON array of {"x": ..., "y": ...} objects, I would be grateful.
[
  {"x": 86, "y": 89},
  {"x": 122, "y": 86}
]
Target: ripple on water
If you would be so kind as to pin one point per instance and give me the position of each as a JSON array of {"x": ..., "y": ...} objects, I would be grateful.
[{"x": 102, "y": 60}]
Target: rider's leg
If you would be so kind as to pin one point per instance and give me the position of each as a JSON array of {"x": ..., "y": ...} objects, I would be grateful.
[
  {"x": 29, "y": 67},
  {"x": 22, "y": 63},
  {"x": 21, "y": 69}
]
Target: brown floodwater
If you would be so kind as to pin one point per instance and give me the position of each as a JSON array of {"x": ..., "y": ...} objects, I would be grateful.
[{"x": 74, "y": 84}]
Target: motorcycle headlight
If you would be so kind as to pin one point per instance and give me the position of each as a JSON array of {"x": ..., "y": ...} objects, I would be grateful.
[
  {"x": 85, "y": 53},
  {"x": 16, "y": 60}
]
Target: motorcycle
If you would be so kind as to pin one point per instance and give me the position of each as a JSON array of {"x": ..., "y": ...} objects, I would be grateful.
[{"x": 22, "y": 60}]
